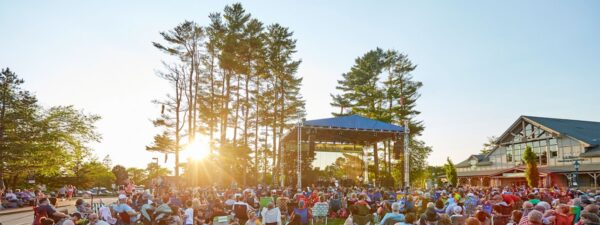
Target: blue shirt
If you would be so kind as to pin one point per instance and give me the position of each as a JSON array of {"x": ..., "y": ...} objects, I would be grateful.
[
  {"x": 119, "y": 208},
  {"x": 392, "y": 216},
  {"x": 123, "y": 208}
]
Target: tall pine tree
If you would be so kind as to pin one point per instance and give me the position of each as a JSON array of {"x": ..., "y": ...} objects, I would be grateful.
[{"x": 380, "y": 86}]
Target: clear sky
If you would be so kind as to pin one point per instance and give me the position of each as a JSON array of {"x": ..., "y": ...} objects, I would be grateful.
[{"x": 482, "y": 63}]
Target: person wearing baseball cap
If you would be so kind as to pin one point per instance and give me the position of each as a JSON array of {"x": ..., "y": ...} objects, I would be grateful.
[{"x": 124, "y": 211}]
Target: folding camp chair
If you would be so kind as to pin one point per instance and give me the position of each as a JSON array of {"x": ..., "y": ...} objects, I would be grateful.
[
  {"x": 320, "y": 210},
  {"x": 221, "y": 220}
]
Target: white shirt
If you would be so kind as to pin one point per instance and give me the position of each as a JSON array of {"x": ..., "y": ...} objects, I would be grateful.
[
  {"x": 189, "y": 216},
  {"x": 271, "y": 216},
  {"x": 229, "y": 202}
]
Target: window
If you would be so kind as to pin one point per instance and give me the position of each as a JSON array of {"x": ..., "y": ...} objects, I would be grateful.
[
  {"x": 509, "y": 157},
  {"x": 544, "y": 158},
  {"x": 528, "y": 130},
  {"x": 553, "y": 154}
]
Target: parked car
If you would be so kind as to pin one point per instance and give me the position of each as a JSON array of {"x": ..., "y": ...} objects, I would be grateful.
[
  {"x": 100, "y": 191},
  {"x": 140, "y": 188}
]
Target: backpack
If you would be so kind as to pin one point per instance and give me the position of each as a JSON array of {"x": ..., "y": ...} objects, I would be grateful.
[{"x": 37, "y": 216}]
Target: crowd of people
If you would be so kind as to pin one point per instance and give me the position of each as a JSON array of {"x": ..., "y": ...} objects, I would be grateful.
[
  {"x": 28, "y": 197},
  {"x": 354, "y": 205}
]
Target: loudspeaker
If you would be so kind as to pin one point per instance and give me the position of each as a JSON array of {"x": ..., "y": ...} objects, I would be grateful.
[
  {"x": 311, "y": 147},
  {"x": 398, "y": 146}
]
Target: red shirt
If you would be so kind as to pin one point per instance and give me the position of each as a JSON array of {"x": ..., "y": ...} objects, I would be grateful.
[
  {"x": 562, "y": 219},
  {"x": 510, "y": 199}
]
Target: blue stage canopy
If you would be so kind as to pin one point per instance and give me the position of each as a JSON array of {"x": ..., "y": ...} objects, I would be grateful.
[
  {"x": 353, "y": 122},
  {"x": 352, "y": 129}
]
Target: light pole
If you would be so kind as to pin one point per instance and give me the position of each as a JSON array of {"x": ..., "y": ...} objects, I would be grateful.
[
  {"x": 406, "y": 155},
  {"x": 299, "y": 160},
  {"x": 576, "y": 165}
]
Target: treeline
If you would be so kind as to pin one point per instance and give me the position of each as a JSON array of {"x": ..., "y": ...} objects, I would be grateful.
[
  {"x": 43, "y": 144},
  {"x": 235, "y": 81}
]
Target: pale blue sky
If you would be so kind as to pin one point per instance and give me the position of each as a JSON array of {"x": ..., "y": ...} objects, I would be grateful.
[{"x": 482, "y": 63}]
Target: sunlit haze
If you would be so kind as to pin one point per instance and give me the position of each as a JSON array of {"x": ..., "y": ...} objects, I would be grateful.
[{"x": 482, "y": 64}]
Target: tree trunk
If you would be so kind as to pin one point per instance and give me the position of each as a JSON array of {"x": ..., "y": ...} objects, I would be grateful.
[
  {"x": 177, "y": 125},
  {"x": 281, "y": 127},
  {"x": 246, "y": 111},
  {"x": 196, "y": 96},
  {"x": 237, "y": 111},
  {"x": 2, "y": 119},
  {"x": 274, "y": 136},
  {"x": 256, "y": 125},
  {"x": 225, "y": 107},
  {"x": 390, "y": 152},
  {"x": 13, "y": 182},
  {"x": 265, "y": 149},
  {"x": 191, "y": 102},
  {"x": 211, "y": 118},
  {"x": 376, "y": 159}
]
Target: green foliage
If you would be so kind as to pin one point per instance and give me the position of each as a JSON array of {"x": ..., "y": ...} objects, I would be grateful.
[
  {"x": 380, "y": 86},
  {"x": 450, "y": 171},
  {"x": 489, "y": 145},
  {"x": 163, "y": 143},
  {"x": 290, "y": 166},
  {"x": 137, "y": 175},
  {"x": 348, "y": 166},
  {"x": 240, "y": 78},
  {"x": 50, "y": 142},
  {"x": 121, "y": 174},
  {"x": 94, "y": 174},
  {"x": 235, "y": 161},
  {"x": 433, "y": 172},
  {"x": 532, "y": 175},
  {"x": 155, "y": 171}
]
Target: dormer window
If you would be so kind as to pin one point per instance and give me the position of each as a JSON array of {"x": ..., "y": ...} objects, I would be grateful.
[{"x": 473, "y": 163}]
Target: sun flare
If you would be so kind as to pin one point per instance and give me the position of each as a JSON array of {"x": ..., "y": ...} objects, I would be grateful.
[{"x": 198, "y": 148}]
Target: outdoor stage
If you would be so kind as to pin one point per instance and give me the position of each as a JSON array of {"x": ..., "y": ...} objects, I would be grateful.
[{"x": 351, "y": 130}]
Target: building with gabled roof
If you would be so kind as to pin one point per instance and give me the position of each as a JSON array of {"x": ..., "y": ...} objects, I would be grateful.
[{"x": 559, "y": 145}]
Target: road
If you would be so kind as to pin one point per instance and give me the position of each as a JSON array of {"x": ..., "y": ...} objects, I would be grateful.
[{"x": 26, "y": 218}]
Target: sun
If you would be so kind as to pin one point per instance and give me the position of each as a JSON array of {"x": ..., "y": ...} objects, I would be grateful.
[{"x": 198, "y": 148}]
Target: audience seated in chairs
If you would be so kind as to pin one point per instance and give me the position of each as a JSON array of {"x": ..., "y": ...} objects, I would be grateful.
[
  {"x": 301, "y": 215},
  {"x": 12, "y": 201},
  {"x": 393, "y": 217},
  {"x": 320, "y": 209}
]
